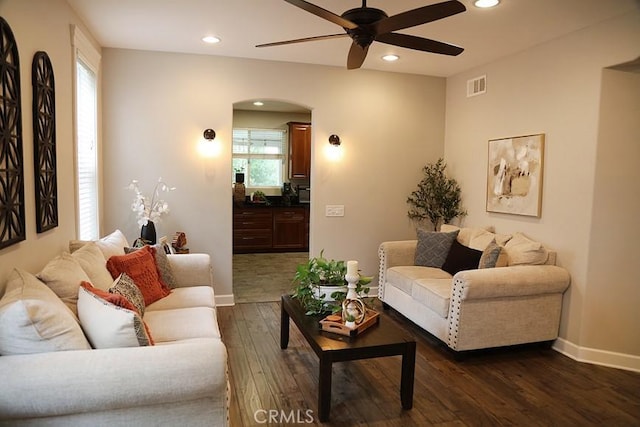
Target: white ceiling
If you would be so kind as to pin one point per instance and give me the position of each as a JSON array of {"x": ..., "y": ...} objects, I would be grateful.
[{"x": 486, "y": 34}]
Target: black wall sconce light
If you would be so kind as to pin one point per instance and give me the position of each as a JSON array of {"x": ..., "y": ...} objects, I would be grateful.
[
  {"x": 209, "y": 134},
  {"x": 334, "y": 140}
]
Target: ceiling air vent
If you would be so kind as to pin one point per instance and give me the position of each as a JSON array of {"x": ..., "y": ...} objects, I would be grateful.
[{"x": 476, "y": 86}]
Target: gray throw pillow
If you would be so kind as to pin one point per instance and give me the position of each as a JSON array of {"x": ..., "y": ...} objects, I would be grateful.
[
  {"x": 490, "y": 255},
  {"x": 433, "y": 247}
]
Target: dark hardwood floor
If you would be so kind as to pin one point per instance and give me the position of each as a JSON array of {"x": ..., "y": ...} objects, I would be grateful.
[{"x": 519, "y": 386}]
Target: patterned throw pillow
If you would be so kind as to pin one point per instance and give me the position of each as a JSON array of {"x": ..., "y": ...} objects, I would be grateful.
[
  {"x": 126, "y": 287},
  {"x": 461, "y": 258},
  {"x": 141, "y": 267},
  {"x": 433, "y": 247},
  {"x": 490, "y": 255},
  {"x": 110, "y": 320}
]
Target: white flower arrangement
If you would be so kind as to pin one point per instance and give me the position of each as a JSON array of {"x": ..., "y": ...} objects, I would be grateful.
[{"x": 151, "y": 210}]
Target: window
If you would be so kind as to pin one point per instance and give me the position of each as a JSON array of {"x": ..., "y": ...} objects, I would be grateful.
[
  {"x": 261, "y": 155},
  {"x": 86, "y": 111}
]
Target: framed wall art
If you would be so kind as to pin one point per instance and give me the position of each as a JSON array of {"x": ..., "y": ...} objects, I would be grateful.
[
  {"x": 12, "y": 217},
  {"x": 44, "y": 142},
  {"x": 514, "y": 175}
]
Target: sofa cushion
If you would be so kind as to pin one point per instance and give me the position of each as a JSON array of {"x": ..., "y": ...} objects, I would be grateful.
[
  {"x": 182, "y": 323},
  {"x": 192, "y": 296},
  {"x": 466, "y": 233},
  {"x": 522, "y": 250},
  {"x": 34, "y": 320},
  {"x": 481, "y": 239},
  {"x": 461, "y": 258},
  {"x": 110, "y": 245},
  {"x": 126, "y": 287},
  {"x": 140, "y": 265},
  {"x": 432, "y": 247},
  {"x": 93, "y": 263},
  {"x": 109, "y": 320},
  {"x": 434, "y": 294},
  {"x": 402, "y": 277},
  {"x": 63, "y": 276}
]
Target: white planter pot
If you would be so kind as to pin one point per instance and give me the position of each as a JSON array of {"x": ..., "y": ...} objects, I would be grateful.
[{"x": 327, "y": 291}]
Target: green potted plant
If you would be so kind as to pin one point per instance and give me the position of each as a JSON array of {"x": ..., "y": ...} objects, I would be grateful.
[
  {"x": 437, "y": 197},
  {"x": 320, "y": 286}
]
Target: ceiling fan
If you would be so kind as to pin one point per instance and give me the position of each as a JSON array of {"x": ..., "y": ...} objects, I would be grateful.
[{"x": 366, "y": 24}]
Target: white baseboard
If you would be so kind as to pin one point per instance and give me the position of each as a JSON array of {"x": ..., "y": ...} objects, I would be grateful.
[
  {"x": 224, "y": 300},
  {"x": 611, "y": 359}
]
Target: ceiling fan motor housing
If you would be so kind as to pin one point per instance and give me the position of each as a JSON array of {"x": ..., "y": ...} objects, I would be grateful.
[{"x": 364, "y": 17}]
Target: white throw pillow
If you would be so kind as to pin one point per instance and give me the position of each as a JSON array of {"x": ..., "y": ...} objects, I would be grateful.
[
  {"x": 108, "y": 325},
  {"x": 94, "y": 264},
  {"x": 524, "y": 251},
  {"x": 34, "y": 320},
  {"x": 110, "y": 245},
  {"x": 63, "y": 276}
]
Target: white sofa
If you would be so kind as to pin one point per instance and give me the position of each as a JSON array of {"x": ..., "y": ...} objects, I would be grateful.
[
  {"x": 181, "y": 380},
  {"x": 518, "y": 302}
]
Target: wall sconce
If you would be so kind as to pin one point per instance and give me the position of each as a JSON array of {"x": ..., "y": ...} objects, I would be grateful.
[
  {"x": 333, "y": 151},
  {"x": 334, "y": 140},
  {"x": 208, "y": 148}
]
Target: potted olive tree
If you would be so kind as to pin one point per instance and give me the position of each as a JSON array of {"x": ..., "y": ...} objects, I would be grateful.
[
  {"x": 437, "y": 198},
  {"x": 320, "y": 285}
]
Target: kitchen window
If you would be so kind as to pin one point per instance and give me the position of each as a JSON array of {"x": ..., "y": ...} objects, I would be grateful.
[{"x": 261, "y": 155}]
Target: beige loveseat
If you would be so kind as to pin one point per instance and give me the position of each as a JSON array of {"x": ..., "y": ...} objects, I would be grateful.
[
  {"x": 61, "y": 380},
  {"x": 518, "y": 301}
]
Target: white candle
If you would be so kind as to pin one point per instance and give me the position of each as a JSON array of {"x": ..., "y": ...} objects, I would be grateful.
[{"x": 352, "y": 268}]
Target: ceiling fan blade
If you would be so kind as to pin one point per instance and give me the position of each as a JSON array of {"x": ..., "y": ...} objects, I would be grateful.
[
  {"x": 419, "y": 43},
  {"x": 306, "y": 39},
  {"x": 323, "y": 13},
  {"x": 356, "y": 57},
  {"x": 419, "y": 16}
]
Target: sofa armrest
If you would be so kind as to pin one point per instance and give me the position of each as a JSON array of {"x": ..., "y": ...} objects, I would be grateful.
[
  {"x": 74, "y": 382},
  {"x": 191, "y": 269},
  {"x": 512, "y": 281},
  {"x": 391, "y": 254}
]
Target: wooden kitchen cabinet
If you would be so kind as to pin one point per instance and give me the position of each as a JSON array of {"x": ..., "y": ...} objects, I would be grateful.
[
  {"x": 299, "y": 150},
  {"x": 252, "y": 229},
  {"x": 290, "y": 228}
]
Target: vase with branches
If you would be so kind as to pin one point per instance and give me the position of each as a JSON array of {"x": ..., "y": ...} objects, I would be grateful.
[{"x": 437, "y": 198}]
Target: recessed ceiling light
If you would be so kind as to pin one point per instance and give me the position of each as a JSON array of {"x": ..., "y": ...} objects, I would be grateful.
[
  {"x": 211, "y": 39},
  {"x": 486, "y": 3},
  {"x": 391, "y": 58},
  {"x": 258, "y": 103}
]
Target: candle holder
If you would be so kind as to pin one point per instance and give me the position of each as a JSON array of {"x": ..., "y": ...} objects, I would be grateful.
[{"x": 352, "y": 306}]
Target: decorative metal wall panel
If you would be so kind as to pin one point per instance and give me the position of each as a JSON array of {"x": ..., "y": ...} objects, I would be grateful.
[
  {"x": 44, "y": 142},
  {"x": 12, "y": 222}
]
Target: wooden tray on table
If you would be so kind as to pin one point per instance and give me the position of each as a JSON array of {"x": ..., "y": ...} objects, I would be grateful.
[{"x": 333, "y": 323}]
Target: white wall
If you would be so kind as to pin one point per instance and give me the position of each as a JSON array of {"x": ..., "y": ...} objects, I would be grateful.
[
  {"x": 47, "y": 30},
  {"x": 156, "y": 106},
  {"x": 553, "y": 88}
]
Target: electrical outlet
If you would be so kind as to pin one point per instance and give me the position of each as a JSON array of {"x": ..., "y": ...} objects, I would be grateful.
[{"x": 334, "y": 210}]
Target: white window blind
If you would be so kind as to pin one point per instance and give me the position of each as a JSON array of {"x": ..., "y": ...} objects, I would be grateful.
[
  {"x": 87, "y": 60},
  {"x": 261, "y": 155}
]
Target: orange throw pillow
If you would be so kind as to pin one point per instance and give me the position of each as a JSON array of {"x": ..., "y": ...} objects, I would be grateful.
[{"x": 141, "y": 267}]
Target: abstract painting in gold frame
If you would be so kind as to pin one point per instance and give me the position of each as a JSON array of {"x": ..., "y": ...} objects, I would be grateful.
[{"x": 514, "y": 175}]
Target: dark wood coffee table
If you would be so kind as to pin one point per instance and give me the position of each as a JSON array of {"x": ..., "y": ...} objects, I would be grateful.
[{"x": 383, "y": 339}]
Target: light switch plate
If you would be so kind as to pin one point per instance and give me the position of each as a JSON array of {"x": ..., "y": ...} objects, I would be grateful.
[{"x": 334, "y": 210}]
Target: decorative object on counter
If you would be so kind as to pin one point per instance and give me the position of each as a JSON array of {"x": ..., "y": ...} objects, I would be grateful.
[
  {"x": 179, "y": 242},
  {"x": 320, "y": 286},
  {"x": 44, "y": 142},
  {"x": 148, "y": 210},
  {"x": 287, "y": 194},
  {"x": 239, "y": 189},
  {"x": 12, "y": 203},
  {"x": 259, "y": 197},
  {"x": 437, "y": 198}
]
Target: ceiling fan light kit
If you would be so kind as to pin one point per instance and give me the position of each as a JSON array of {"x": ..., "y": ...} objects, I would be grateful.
[
  {"x": 390, "y": 58},
  {"x": 485, "y": 3},
  {"x": 364, "y": 25}
]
